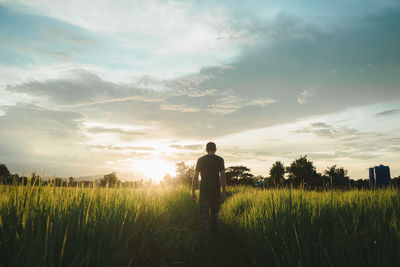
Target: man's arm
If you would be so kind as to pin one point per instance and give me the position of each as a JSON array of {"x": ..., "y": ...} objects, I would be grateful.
[
  {"x": 223, "y": 183},
  {"x": 194, "y": 179}
]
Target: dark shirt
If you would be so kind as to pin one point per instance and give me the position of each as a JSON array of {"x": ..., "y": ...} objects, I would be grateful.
[{"x": 209, "y": 167}]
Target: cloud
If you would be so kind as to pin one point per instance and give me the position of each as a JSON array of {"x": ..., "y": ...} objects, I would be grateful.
[
  {"x": 387, "y": 112},
  {"x": 76, "y": 86},
  {"x": 196, "y": 93},
  {"x": 188, "y": 147},
  {"x": 121, "y": 148},
  {"x": 32, "y": 137},
  {"x": 82, "y": 91},
  {"x": 225, "y": 105},
  {"x": 320, "y": 125},
  {"x": 260, "y": 102},
  {"x": 101, "y": 130},
  {"x": 335, "y": 155},
  {"x": 230, "y": 103},
  {"x": 80, "y": 87},
  {"x": 322, "y": 129},
  {"x": 350, "y": 142},
  {"x": 29, "y": 117},
  {"x": 178, "y": 108},
  {"x": 304, "y": 97},
  {"x": 138, "y": 98}
]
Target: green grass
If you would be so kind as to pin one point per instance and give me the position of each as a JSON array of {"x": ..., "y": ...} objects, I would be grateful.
[{"x": 54, "y": 226}]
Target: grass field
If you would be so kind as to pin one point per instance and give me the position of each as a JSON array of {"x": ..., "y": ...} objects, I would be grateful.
[{"x": 58, "y": 226}]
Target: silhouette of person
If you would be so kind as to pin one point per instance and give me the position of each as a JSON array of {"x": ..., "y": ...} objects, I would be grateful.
[{"x": 212, "y": 170}]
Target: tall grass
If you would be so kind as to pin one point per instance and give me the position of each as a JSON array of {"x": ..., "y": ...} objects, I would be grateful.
[
  {"x": 58, "y": 226},
  {"x": 292, "y": 227}
]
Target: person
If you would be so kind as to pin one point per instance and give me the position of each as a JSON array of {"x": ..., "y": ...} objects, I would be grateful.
[{"x": 212, "y": 170}]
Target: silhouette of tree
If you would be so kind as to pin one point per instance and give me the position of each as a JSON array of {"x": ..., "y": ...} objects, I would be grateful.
[
  {"x": 4, "y": 172},
  {"x": 259, "y": 180},
  {"x": 336, "y": 175},
  {"x": 277, "y": 173},
  {"x": 360, "y": 184},
  {"x": 184, "y": 173},
  {"x": 302, "y": 171},
  {"x": 239, "y": 175},
  {"x": 396, "y": 182},
  {"x": 110, "y": 180},
  {"x": 335, "y": 172}
]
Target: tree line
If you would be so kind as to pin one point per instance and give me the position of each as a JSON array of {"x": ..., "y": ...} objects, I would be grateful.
[
  {"x": 108, "y": 180},
  {"x": 301, "y": 172}
]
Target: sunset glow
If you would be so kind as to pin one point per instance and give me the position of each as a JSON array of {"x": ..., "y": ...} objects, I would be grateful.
[{"x": 154, "y": 169}]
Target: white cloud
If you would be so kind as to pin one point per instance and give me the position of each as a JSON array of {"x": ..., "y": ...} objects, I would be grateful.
[
  {"x": 226, "y": 105},
  {"x": 179, "y": 108},
  {"x": 230, "y": 104},
  {"x": 190, "y": 92},
  {"x": 261, "y": 102},
  {"x": 139, "y": 98},
  {"x": 304, "y": 96},
  {"x": 14, "y": 75}
]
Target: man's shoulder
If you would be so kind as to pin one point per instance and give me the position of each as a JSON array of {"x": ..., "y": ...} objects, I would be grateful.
[
  {"x": 207, "y": 156},
  {"x": 218, "y": 157},
  {"x": 202, "y": 157}
]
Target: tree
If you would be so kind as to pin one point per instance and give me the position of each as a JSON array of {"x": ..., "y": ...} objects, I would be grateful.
[
  {"x": 239, "y": 175},
  {"x": 335, "y": 172},
  {"x": 110, "y": 180},
  {"x": 337, "y": 175},
  {"x": 259, "y": 180},
  {"x": 71, "y": 181},
  {"x": 184, "y": 173},
  {"x": 396, "y": 182},
  {"x": 302, "y": 171},
  {"x": 277, "y": 172},
  {"x": 4, "y": 172}
]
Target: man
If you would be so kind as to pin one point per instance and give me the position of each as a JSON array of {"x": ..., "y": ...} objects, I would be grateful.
[{"x": 212, "y": 170}]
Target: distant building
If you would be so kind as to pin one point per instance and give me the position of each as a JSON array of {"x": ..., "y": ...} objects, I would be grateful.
[
  {"x": 379, "y": 176},
  {"x": 372, "y": 176}
]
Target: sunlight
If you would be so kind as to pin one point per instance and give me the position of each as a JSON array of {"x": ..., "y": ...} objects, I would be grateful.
[{"x": 155, "y": 169}]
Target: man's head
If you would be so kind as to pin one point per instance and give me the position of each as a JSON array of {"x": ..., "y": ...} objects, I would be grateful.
[{"x": 211, "y": 148}]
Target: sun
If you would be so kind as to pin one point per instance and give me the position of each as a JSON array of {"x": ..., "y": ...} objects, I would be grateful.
[{"x": 155, "y": 169}]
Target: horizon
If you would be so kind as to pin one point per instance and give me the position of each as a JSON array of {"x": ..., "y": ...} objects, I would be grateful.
[
  {"x": 136, "y": 87},
  {"x": 128, "y": 177}
]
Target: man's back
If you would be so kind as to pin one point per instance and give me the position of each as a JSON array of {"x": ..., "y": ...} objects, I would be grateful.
[
  {"x": 209, "y": 167},
  {"x": 212, "y": 170}
]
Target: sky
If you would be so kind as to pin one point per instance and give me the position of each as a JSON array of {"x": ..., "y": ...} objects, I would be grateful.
[{"x": 90, "y": 87}]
